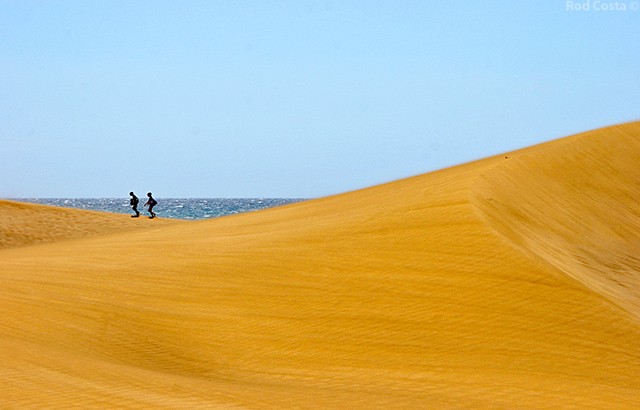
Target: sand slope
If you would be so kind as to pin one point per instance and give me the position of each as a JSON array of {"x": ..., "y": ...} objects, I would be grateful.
[
  {"x": 23, "y": 224},
  {"x": 500, "y": 284},
  {"x": 583, "y": 221}
]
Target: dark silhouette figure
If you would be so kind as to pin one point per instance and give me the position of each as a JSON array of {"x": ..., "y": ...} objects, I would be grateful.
[
  {"x": 151, "y": 202},
  {"x": 134, "y": 205}
]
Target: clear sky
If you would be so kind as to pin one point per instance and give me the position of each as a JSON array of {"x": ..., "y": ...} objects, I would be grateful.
[{"x": 296, "y": 98}]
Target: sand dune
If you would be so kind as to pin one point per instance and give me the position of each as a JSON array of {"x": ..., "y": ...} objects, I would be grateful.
[
  {"x": 23, "y": 224},
  {"x": 585, "y": 221},
  {"x": 510, "y": 282}
]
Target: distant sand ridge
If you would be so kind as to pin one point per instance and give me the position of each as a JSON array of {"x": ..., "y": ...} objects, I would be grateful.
[
  {"x": 23, "y": 224},
  {"x": 510, "y": 282}
]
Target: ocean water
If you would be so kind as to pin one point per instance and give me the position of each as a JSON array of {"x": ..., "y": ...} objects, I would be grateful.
[{"x": 175, "y": 208}]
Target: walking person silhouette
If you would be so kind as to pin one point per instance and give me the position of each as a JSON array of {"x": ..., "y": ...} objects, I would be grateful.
[
  {"x": 151, "y": 202},
  {"x": 134, "y": 205}
]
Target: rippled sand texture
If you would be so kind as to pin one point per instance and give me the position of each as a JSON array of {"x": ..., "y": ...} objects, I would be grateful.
[{"x": 506, "y": 283}]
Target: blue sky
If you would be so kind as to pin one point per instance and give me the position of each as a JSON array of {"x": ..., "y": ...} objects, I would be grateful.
[{"x": 295, "y": 98}]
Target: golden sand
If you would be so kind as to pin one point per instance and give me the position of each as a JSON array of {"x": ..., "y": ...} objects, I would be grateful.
[
  {"x": 507, "y": 283},
  {"x": 23, "y": 224}
]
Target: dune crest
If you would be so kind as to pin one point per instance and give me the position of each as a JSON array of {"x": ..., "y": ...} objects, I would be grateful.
[
  {"x": 24, "y": 224},
  {"x": 576, "y": 205}
]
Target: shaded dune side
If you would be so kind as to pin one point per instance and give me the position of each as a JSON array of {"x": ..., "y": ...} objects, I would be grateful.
[
  {"x": 575, "y": 205},
  {"x": 404, "y": 295},
  {"x": 23, "y": 224}
]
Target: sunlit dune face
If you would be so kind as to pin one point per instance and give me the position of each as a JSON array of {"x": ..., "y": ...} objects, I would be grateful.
[{"x": 508, "y": 282}]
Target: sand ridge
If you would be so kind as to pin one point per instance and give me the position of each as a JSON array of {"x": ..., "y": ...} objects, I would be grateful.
[
  {"x": 584, "y": 223},
  {"x": 24, "y": 224},
  {"x": 420, "y": 293}
]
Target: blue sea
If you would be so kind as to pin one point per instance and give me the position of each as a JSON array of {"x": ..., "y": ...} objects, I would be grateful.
[{"x": 174, "y": 208}]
